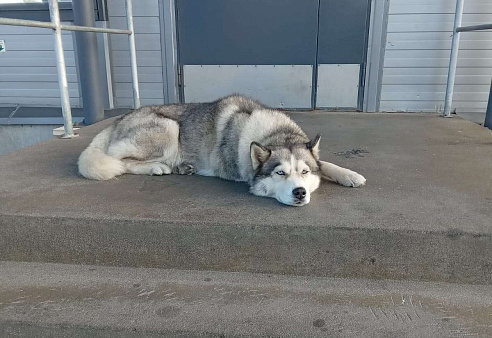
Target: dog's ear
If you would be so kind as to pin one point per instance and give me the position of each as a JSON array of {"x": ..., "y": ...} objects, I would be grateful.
[
  {"x": 313, "y": 146},
  {"x": 259, "y": 154}
]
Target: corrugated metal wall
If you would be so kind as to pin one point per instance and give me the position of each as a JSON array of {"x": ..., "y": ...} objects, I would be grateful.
[
  {"x": 28, "y": 73},
  {"x": 149, "y": 57},
  {"x": 417, "y": 56}
]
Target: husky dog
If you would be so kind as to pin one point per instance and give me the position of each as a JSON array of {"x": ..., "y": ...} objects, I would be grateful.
[{"x": 234, "y": 138}]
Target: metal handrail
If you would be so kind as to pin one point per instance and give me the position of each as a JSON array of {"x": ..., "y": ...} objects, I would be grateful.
[
  {"x": 57, "y": 27},
  {"x": 457, "y": 29},
  {"x": 474, "y": 28},
  {"x": 42, "y": 24}
]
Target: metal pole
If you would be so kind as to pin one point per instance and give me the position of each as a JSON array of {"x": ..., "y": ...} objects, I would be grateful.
[
  {"x": 62, "y": 72},
  {"x": 454, "y": 58},
  {"x": 88, "y": 62},
  {"x": 488, "y": 114},
  {"x": 133, "y": 54}
]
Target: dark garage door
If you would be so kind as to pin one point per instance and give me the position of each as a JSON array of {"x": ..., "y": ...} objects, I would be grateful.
[{"x": 274, "y": 50}]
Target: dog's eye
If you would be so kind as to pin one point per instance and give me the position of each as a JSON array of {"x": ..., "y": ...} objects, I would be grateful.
[
  {"x": 281, "y": 173},
  {"x": 304, "y": 172}
]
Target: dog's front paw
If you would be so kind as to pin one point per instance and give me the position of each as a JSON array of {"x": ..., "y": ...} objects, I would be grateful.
[
  {"x": 160, "y": 169},
  {"x": 351, "y": 179}
]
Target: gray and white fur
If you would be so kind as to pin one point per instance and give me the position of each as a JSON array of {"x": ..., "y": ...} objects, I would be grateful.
[{"x": 234, "y": 138}]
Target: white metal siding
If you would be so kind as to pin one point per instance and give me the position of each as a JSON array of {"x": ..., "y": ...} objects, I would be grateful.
[
  {"x": 28, "y": 73},
  {"x": 417, "y": 56},
  {"x": 149, "y": 57}
]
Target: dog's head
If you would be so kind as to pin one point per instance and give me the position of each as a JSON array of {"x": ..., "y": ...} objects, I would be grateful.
[{"x": 289, "y": 174}]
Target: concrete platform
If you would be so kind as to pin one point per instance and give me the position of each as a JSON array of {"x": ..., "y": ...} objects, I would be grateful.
[
  {"x": 55, "y": 300},
  {"x": 473, "y": 116},
  {"x": 425, "y": 214}
]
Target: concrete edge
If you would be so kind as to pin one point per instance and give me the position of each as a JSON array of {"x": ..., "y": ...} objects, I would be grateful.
[{"x": 453, "y": 256}]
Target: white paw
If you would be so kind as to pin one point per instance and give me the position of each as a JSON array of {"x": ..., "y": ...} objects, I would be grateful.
[
  {"x": 351, "y": 179},
  {"x": 160, "y": 169}
]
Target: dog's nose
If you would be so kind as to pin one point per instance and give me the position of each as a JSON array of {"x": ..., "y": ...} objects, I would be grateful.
[{"x": 299, "y": 193}]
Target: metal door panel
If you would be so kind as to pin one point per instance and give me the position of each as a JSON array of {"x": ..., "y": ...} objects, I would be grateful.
[
  {"x": 343, "y": 31},
  {"x": 338, "y": 86},
  {"x": 252, "y": 32},
  {"x": 277, "y": 86}
]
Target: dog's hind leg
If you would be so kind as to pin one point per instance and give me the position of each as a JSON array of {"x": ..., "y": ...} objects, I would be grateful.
[
  {"x": 342, "y": 176},
  {"x": 148, "y": 148},
  {"x": 185, "y": 169}
]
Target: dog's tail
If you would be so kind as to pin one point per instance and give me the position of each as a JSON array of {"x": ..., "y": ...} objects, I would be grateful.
[{"x": 95, "y": 164}]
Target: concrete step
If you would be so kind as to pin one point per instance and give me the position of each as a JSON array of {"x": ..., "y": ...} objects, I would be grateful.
[
  {"x": 93, "y": 301},
  {"x": 425, "y": 214}
]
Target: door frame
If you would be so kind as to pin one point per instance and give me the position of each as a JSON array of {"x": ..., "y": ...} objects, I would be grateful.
[
  {"x": 169, "y": 51},
  {"x": 376, "y": 47}
]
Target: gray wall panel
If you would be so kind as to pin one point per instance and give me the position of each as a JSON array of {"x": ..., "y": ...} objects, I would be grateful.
[
  {"x": 28, "y": 74},
  {"x": 343, "y": 29},
  {"x": 417, "y": 57},
  {"x": 146, "y": 42},
  {"x": 142, "y": 8},
  {"x": 142, "y": 25},
  {"x": 145, "y": 74},
  {"x": 149, "y": 54},
  {"x": 281, "y": 32}
]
